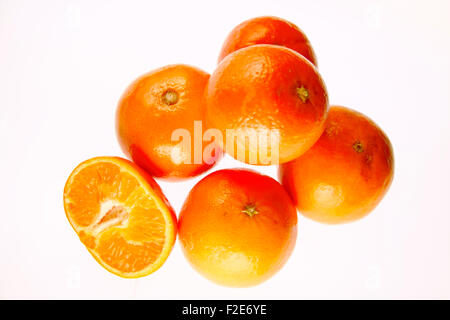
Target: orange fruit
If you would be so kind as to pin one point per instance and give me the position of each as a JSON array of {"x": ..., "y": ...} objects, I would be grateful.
[
  {"x": 237, "y": 227},
  {"x": 268, "y": 30},
  {"x": 120, "y": 215},
  {"x": 271, "y": 93},
  {"x": 151, "y": 110},
  {"x": 345, "y": 174}
]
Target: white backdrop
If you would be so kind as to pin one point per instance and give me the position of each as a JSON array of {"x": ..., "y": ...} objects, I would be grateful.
[{"x": 64, "y": 64}]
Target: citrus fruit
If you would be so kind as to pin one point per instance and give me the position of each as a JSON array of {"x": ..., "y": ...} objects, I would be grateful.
[
  {"x": 268, "y": 30},
  {"x": 237, "y": 227},
  {"x": 271, "y": 100},
  {"x": 120, "y": 215},
  {"x": 150, "y": 113},
  {"x": 345, "y": 174}
]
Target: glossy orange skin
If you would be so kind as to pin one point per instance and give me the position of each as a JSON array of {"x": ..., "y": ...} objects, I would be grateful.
[
  {"x": 256, "y": 88},
  {"x": 268, "y": 30},
  {"x": 225, "y": 244},
  {"x": 345, "y": 175},
  {"x": 145, "y": 123}
]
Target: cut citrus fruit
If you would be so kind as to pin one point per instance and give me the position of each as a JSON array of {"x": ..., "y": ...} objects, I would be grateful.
[{"x": 121, "y": 216}]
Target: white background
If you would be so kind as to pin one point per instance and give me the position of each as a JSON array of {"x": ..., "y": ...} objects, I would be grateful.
[{"x": 64, "y": 64}]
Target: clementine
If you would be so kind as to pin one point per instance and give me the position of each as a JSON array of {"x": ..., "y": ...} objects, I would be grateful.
[
  {"x": 271, "y": 102},
  {"x": 237, "y": 227},
  {"x": 345, "y": 174},
  {"x": 268, "y": 30},
  {"x": 154, "y": 108},
  {"x": 120, "y": 215}
]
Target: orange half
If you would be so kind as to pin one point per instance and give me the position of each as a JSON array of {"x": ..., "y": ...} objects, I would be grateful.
[{"x": 120, "y": 215}]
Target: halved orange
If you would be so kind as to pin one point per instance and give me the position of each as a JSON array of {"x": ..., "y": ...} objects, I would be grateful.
[{"x": 121, "y": 216}]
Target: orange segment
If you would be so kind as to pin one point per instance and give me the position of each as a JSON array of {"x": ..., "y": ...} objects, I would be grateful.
[
  {"x": 120, "y": 215},
  {"x": 128, "y": 257}
]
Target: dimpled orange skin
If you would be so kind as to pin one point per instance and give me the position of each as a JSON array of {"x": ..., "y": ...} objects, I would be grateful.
[
  {"x": 271, "y": 88},
  {"x": 151, "y": 108},
  {"x": 268, "y": 30},
  {"x": 345, "y": 175},
  {"x": 237, "y": 227}
]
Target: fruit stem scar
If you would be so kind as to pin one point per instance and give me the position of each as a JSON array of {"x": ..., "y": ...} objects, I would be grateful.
[
  {"x": 250, "y": 210},
  {"x": 170, "y": 97},
  {"x": 358, "y": 146},
  {"x": 302, "y": 93}
]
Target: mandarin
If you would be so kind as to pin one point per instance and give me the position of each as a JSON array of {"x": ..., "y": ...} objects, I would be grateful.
[
  {"x": 345, "y": 175},
  {"x": 269, "y": 103},
  {"x": 154, "y": 108},
  {"x": 268, "y": 30},
  {"x": 121, "y": 215},
  {"x": 237, "y": 227}
]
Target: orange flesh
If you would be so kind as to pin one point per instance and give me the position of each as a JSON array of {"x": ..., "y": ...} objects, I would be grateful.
[{"x": 117, "y": 217}]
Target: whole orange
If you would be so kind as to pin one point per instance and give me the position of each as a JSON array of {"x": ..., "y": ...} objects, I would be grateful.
[
  {"x": 345, "y": 174},
  {"x": 268, "y": 30},
  {"x": 270, "y": 100},
  {"x": 237, "y": 227},
  {"x": 151, "y": 110}
]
